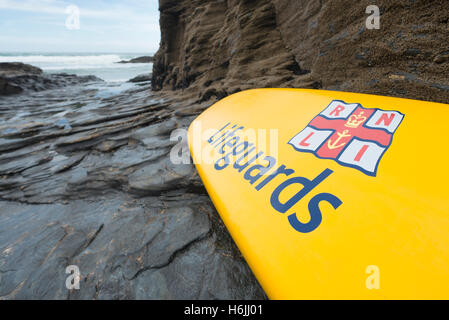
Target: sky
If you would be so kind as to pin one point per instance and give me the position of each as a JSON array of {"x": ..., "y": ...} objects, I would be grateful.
[{"x": 118, "y": 26}]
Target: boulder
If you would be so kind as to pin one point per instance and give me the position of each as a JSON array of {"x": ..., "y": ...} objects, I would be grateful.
[
  {"x": 9, "y": 69},
  {"x": 16, "y": 77},
  {"x": 143, "y": 59},
  {"x": 141, "y": 78}
]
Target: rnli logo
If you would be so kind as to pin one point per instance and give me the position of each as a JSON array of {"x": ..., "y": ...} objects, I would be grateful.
[{"x": 350, "y": 134}]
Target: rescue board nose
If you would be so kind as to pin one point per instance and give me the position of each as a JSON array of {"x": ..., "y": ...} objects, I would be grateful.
[{"x": 317, "y": 187}]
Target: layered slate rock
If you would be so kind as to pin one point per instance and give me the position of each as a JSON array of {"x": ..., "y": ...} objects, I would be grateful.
[
  {"x": 210, "y": 49},
  {"x": 88, "y": 181}
]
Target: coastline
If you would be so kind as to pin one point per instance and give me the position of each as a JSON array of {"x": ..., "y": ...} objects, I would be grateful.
[{"x": 85, "y": 174}]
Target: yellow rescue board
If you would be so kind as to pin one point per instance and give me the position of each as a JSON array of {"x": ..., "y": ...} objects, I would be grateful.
[{"x": 331, "y": 195}]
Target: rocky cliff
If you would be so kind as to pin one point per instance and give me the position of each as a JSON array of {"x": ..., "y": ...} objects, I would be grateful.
[{"x": 210, "y": 49}]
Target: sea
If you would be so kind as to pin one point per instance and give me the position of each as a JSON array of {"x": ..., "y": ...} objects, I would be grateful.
[{"x": 102, "y": 65}]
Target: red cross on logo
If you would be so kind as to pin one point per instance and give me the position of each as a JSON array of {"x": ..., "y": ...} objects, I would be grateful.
[{"x": 352, "y": 135}]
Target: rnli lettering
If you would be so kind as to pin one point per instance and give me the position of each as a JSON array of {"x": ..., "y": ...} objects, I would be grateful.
[{"x": 350, "y": 134}]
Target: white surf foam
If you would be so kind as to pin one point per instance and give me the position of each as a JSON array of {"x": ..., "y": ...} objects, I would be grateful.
[{"x": 104, "y": 66}]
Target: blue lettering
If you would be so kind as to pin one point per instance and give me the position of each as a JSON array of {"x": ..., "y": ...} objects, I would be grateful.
[
  {"x": 230, "y": 143},
  {"x": 240, "y": 167},
  {"x": 281, "y": 170},
  {"x": 254, "y": 173},
  {"x": 315, "y": 213},
  {"x": 211, "y": 138},
  {"x": 307, "y": 187},
  {"x": 260, "y": 168}
]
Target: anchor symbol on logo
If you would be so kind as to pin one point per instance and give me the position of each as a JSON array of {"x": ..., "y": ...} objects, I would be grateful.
[{"x": 335, "y": 145}]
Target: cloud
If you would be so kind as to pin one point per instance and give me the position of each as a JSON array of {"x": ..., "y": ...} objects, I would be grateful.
[
  {"x": 82, "y": 45},
  {"x": 112, "y": 25},
  {"x": 42, "y": 6},
  {"x": 115, "y": 11}
]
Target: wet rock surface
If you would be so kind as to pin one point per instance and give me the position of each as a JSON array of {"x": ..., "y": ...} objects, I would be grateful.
[
  {"x": 16, "y": 77},
  {"x": 86, "y": 180}
]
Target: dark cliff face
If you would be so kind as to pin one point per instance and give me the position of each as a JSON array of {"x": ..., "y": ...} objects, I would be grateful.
[{"x": 210, "y": 49}]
